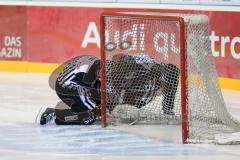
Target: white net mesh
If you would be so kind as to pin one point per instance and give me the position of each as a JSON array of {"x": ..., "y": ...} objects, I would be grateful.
[{"x": 143, "y": 74}]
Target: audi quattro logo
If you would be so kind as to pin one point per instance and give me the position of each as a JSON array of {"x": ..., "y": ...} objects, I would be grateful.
[{"x": 138, "y": 37}]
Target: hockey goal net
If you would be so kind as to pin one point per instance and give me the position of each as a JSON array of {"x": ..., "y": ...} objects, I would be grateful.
[{"x": 158, "y": 68}]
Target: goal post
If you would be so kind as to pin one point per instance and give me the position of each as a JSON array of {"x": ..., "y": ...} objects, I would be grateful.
[{"x": 158, "y": 68}]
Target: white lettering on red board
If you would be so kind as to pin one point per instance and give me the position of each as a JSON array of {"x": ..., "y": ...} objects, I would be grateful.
[
  {"x": 91, "y": 36},
  {"x": 11, "y": 47},
  {"x": 225, "y": 41},
  {"x": 159, "y": 41},
  {"x": 163, "y": 41}
]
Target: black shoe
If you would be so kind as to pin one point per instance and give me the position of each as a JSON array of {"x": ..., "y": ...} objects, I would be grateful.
[{"x": 47, "y": 116}]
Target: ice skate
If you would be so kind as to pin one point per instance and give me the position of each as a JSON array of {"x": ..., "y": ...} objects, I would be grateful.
[{"x": 47, "y": 116}]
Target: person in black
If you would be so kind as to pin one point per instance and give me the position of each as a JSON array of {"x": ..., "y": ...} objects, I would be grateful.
[
  {"x": 136, "y": 79},
  {"x": 77, "y": 84},
  {"x": 131, "y": 79}
]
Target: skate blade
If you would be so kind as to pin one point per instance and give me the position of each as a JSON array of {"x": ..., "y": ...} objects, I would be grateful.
[{"x": 40, "y": 111}]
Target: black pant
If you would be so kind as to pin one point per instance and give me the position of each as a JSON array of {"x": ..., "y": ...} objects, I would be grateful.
[{"x": 77, "y": 109}]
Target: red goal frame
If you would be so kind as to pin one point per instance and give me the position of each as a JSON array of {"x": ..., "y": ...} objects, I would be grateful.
[{"x": 183, "y": 65}]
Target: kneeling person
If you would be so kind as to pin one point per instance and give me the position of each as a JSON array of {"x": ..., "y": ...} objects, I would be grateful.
[{"x": 77, "y": 84}]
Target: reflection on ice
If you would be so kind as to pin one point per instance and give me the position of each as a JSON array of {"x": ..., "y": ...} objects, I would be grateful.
[{"x": 87, "y": 140}]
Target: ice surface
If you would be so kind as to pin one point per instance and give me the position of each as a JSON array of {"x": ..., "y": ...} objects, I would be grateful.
[{"x": 23, "y": 94}]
